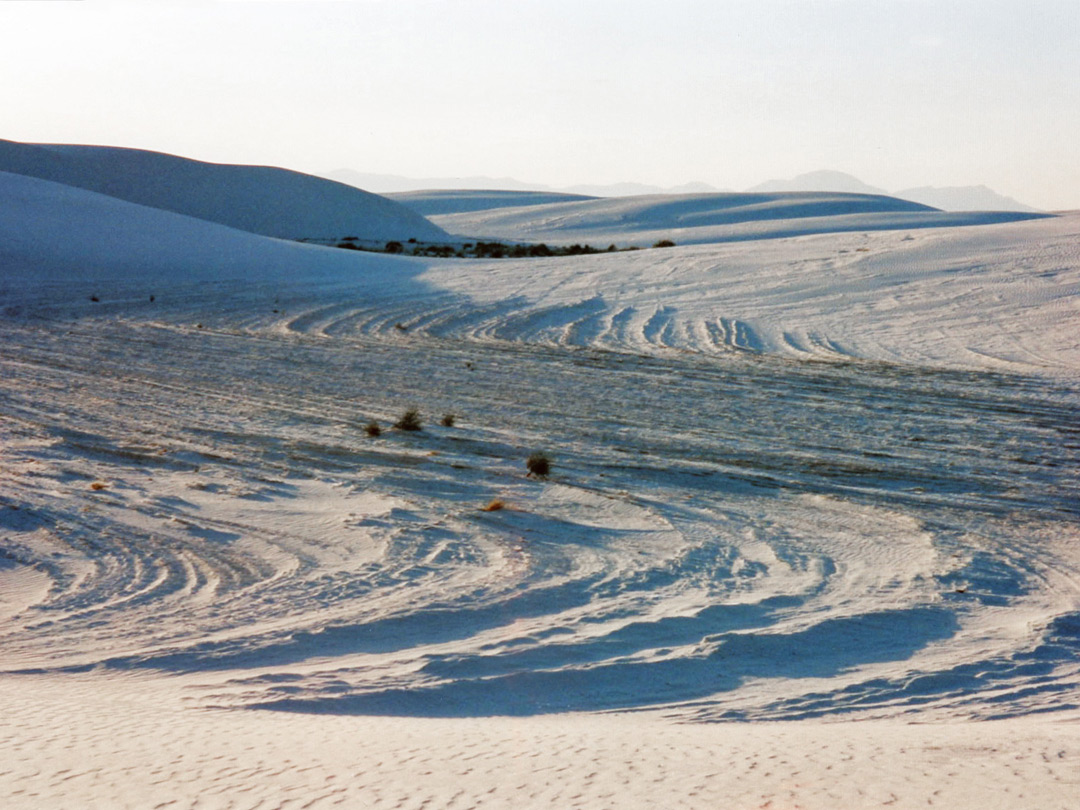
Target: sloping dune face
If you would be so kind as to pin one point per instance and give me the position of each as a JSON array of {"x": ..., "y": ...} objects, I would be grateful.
[
  {"x": 259, "y": 199},
  {"x": 439, "y": 201},
  {"x": 826, "y": 477},
  {"x": 63, "y": 244},
  {"x": 695, "y": 218},
  {"x": 1001, "y": 297}
]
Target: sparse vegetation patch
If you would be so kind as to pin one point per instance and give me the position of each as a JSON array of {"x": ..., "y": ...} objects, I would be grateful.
[
  {"x": 410, "y": 420},
  {"x": 538, "y": 464},
  {"x": 475, "y": 250}
]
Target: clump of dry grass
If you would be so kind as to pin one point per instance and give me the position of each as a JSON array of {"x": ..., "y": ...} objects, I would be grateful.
[
  {"x": 494, "y": 506},
  {"x": 448, "y": 420},
  {"x": 410, "y": 420},
  {"x": 372, "y": 429},
  {"x": 99, "y": 485},
  {"x": 538, "y": 464}
]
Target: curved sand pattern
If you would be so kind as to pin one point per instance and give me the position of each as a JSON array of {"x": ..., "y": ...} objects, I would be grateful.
[{"x": 217, "y": 591}]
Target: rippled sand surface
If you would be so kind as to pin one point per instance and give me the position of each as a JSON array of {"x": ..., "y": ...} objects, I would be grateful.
[{"x": 817, "y": 574}]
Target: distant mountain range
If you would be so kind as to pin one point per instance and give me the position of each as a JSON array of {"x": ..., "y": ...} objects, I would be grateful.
[
  {"x": 963, "y": 198},
  {"x": 820, "y": 181},
  {"x": 956, "y": 198}
]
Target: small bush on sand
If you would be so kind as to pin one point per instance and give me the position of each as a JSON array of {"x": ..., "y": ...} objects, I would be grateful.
[
  {"x": 664, "y": 243},
  {"x": 448, "y": 420},
  {"x": 538, "y": 464},
  {"x": 410, "y": 420},
  {"x": 494, "y": 506},
  {"x": 372, "y": 429}
]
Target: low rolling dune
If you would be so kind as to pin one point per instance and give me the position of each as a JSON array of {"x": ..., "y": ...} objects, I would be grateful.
[
  {"x": 684, "y": 218},
  {"x": 261, "y": 199}
]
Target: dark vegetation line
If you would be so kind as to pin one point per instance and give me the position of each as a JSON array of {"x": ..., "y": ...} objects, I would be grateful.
[{"x": 473, "y": 250}]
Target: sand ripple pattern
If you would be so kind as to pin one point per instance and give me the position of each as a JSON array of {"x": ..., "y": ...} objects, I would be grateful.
[
  {"x": 588, "y": 323},
  {"x": 746, "y": 538}
]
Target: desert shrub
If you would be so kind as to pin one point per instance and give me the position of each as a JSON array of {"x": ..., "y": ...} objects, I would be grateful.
[
  {"x": 494, "y": 506},
  {"x": 394, "y": 247},
  {"x": 540, "y": 250},
  {"x": 410, "y": 420},
  {"x": 490, "y": 250},
  {"x": 664, "y": 243},
  {"x": 372, "y": 429},
  {"x": 448, "y": 420},
  {"x": 347, "y": 245},
  {"x": 538, "y": 464}
]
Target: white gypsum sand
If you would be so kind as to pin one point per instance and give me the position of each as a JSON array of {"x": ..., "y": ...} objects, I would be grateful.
[{"x": 809, "y": 540}]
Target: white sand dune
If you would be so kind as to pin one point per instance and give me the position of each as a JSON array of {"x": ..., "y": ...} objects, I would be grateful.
[
  {"x": 439, "y": 201},
  {"x": 903, "y": 296},
  {"x": 1002, "y": 296},
  {"x": 689, "y": 218},
  {"x": 260, "y": 199},
  {"x": 810, "y": 540},
  {"x": 65, "y": 238}
]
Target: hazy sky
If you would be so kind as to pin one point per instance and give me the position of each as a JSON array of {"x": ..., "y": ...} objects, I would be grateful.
[{"x": 898, "y": 92}]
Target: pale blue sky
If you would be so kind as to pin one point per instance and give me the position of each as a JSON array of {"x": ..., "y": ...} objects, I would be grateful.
[{"x": 900, "y": 93}]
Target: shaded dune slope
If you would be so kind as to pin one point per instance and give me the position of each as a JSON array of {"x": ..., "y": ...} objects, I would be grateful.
[
  {"x": 438, "y": 201},
  {"x": 63, "y": 238},
  {"x": 260, "y": 199}
]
